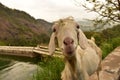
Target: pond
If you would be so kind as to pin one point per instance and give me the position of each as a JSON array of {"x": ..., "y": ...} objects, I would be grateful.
[{"x": 17, "y": 68}]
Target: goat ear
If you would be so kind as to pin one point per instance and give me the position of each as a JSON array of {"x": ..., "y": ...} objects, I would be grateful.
[
  {"x": 83, "y": 42},
  {"x": 51, "y": 46}
]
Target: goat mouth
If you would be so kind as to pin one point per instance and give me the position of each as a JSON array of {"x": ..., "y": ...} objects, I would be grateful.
[{"x": 69, "y": 52}]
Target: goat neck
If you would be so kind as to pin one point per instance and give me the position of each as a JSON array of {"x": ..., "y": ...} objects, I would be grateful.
[{"x": 73, "y": 66}]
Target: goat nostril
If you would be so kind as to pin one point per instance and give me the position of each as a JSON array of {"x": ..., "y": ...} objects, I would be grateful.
[
  {"x": 72, "y": 42},
  {"x": 65, "y": 43},
  {"x": 68, "y": 41}
]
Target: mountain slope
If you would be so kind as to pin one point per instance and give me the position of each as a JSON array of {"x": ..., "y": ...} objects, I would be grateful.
[{"x": 19, "y": 28}]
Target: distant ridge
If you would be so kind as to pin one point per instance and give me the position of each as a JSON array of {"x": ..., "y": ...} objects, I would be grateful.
[
  {"x": 88, "y": 25},
  {"x": 19, "y": 28}
]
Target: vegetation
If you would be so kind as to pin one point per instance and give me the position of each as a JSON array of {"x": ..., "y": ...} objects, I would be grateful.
[
  {"x": 23, "y": 41},
  {"x": 108, "y": 39},
  {"x": 108, "y": 10},
  {"x": 110, "y": 45},
  {"x": 50, "y": 69},
  {"x": 111, "y": 37},
  {"x": 20, "y": 29},
  {"x": 4, "y": 64},
  {"x": 2, "y": 43}
]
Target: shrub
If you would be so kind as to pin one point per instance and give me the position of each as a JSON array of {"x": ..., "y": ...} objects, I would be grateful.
[
  {"x": 115, "y": 42},
  {"x": 110, "y": 45},
  {"x": 97, "y": 35},
  {"x": 51, "y": 69},
  {"x": 2, "y": 43},
  {"x": 98, "y": 38},
  {"x": 106, "y": 49},
  {"x": 111, "y": 32}
]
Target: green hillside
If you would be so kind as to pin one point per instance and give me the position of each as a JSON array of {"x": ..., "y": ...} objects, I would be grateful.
[{"x": 19, "y": 28}]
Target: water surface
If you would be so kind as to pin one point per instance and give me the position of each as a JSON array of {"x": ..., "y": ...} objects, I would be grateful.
[{"x": 17, "y": 68}]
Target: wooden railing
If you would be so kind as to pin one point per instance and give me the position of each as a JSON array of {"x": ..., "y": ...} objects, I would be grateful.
[{"x": 27, "y": 51}]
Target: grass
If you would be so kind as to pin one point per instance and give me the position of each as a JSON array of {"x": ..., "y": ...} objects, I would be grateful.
[
  {"x": 50, "y": 69},
  {"x": 4, "y": 64}
]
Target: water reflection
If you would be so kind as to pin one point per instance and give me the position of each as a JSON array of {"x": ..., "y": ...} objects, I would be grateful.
[{"x": 17, "y": 69}]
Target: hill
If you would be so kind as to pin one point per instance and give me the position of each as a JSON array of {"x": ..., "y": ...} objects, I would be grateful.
[
  {"x": 87, "y": 25},
  {"x": 19, "y": 28}
]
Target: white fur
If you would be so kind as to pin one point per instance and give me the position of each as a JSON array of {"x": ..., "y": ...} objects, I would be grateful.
[{"x": 87, "y": 58}]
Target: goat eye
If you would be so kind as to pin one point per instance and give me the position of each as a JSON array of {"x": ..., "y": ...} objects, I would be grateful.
[
  {"x": 78, "y": 26},
  {"x": 54, "y": 30}
]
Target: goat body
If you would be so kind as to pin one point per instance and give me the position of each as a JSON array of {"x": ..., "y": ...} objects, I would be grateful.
[{"x": 83, "y": 64}]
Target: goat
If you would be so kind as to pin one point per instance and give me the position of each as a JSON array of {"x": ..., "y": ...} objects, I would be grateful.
[{"x": 82, "y": 56}]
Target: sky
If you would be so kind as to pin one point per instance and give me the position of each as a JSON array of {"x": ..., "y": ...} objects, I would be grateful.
[{"x": 51, "y": 10}]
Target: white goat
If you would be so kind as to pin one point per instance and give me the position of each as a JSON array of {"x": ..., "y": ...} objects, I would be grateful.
[{"x": 82, "y": 56}]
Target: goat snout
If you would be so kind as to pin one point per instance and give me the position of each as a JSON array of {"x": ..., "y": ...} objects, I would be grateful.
[
  {"x": 68, "y": 41},
  {"x": 68, "y": 46}
]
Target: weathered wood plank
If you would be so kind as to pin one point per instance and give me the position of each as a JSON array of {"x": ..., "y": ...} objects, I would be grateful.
[{"x": 26, "y": 51}]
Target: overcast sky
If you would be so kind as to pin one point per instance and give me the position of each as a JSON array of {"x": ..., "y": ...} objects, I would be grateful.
[{"x": 50, "y": 10}]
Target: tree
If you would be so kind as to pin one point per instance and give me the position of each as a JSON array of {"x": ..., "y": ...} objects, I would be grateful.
[{"x": 108, "y": 10}]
